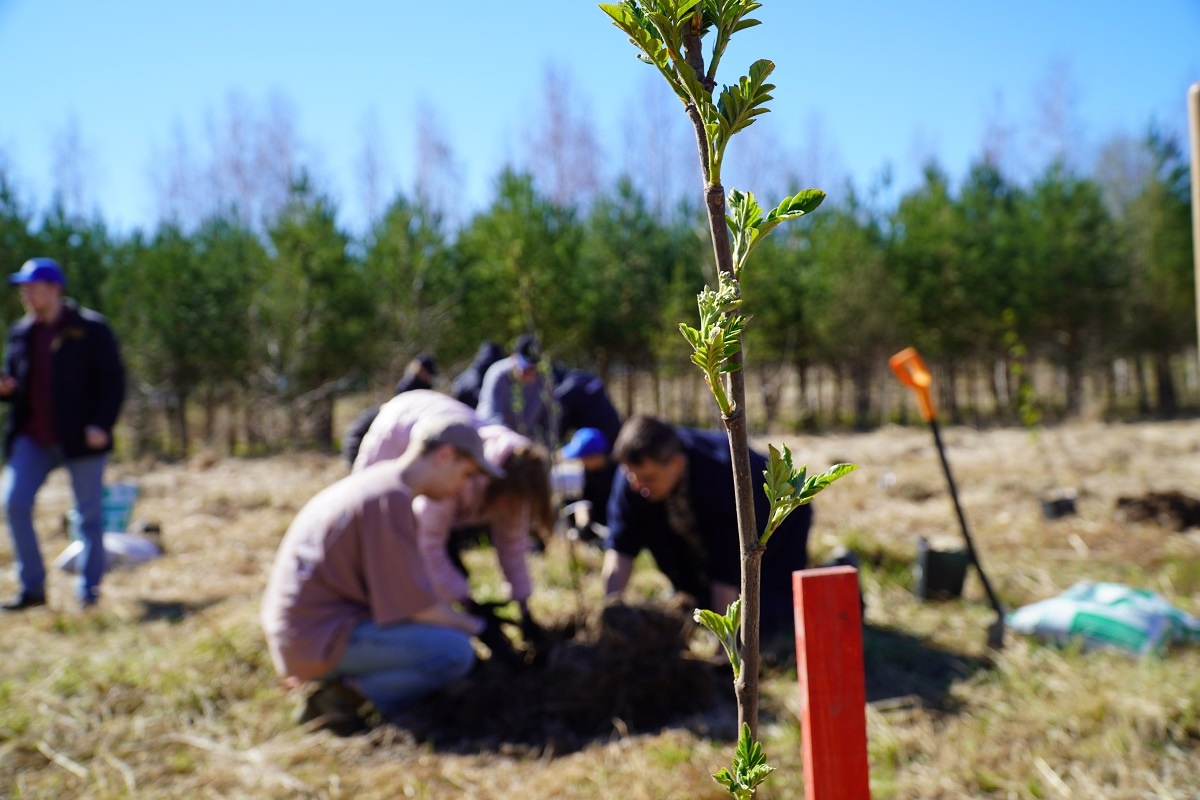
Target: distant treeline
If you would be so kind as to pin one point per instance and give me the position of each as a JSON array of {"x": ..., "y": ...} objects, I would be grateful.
[{"x": 1027, "y": 300}]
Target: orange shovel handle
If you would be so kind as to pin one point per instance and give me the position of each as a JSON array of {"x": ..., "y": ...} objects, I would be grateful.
[{"x": 913, "y": 373}]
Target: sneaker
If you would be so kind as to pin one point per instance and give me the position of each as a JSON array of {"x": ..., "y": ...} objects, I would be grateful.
[
  {"x": 24, "y": 600},
  {"x": 334, "y": 707}
]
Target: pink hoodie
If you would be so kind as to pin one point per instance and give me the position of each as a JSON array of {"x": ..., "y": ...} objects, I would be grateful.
[
  {"x": 509, "y": 532},
  {"x": 388, "y": 437}
]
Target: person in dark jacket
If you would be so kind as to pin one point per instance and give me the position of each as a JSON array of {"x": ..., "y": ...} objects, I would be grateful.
[
  {"x": 418, "y": 374},
  {"x": 65, "y": 382},
  {"x": 582, "y": 402},
  {"x": 674, "y": 496},
  {"x": 466, "y": 385},
  {"x": 584, "y": 409}
]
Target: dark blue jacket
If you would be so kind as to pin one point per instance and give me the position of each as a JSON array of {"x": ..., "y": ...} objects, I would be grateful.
[
  {"x": 87, "y": 384},
  {"x": 583, "y": 403},
  {"x": 636, "y": 523},
  {"x": 466, "y": 385}
]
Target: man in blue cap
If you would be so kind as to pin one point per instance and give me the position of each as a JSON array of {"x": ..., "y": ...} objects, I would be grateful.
[
  {"x": 65, "y": 382},
  {"x": 583, "y": 406},
  {"x": 591, "y": 448}
]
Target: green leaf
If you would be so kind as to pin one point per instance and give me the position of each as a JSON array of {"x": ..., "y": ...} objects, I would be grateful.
[
  {"x": 787, "y": 488},
  {"x": 644, "y": 32},
  {"x": 692, "y": 335},
  {"x": 718, "y": 338},
  {"x": 699, "y": 96},
  {"x": 725, "y": 628},
  {"x": 729, "y": 17},
  {"x": 738, "y": 105},
  {"x": 750, "y": 768},
  {"x": 743, "y": 226},
  {"x": 802, "y": 202},
  {"x": 747, "y": 225}
]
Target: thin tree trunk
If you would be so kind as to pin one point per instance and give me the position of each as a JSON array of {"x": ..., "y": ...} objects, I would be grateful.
[
  {"x": 1142, "y": 382},
  {"x": 630, "y": 389},
  {"x": 861, "y": 381},
  {"x": 210, "y": 415},
  {"x": 231, "y": 428},
  {"x": 950, "y": 393},
  {"x": 322, "y": 423},
  {"x": 179, "y": 424},
  {"x": 656, "y": 387},
  {"x": 1110, "y": 388},
  {"x": 770, "y": 390},
  {"x": 746, "y": 685},
  {"x": 999, "y": 387},
  {"x": 1168, "y": 403}
]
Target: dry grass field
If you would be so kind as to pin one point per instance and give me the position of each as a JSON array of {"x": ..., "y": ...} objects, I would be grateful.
[{"x": 166, "y": 690}]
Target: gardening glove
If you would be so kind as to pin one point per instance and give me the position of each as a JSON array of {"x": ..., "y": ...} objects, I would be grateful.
[
  {"x": 588, "y": 533},
  {"x": 493, "y": 635},
  {"x": 533, "y": 633}
]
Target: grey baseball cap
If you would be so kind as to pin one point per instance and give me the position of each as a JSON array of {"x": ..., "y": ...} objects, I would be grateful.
[{"x": 458, "y": 432}]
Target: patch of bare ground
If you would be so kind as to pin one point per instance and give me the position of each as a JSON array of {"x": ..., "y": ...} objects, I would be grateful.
[{"x": 167, "y": 691}]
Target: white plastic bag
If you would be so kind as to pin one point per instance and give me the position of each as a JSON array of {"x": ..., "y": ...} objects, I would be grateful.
[
  {"x": 120, "y": 549},
  {"x": 1108, "y": 615}
]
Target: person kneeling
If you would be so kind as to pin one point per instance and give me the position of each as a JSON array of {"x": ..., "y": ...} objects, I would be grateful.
[{"x": 348, "y": 604}]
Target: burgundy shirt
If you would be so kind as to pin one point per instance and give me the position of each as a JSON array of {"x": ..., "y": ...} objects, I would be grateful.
[{"x": 40, "y": 425}]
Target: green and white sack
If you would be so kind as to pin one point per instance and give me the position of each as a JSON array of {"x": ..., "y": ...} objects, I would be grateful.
[{"x": 1108, "y": 615}]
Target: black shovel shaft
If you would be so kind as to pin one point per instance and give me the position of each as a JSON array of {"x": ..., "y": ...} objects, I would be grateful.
[{"x": 962, "y": 520}]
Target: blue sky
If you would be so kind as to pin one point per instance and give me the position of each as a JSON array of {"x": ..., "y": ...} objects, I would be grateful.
[{"x": 877, "y": 83}]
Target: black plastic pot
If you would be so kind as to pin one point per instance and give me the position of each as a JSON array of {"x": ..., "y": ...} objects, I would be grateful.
[
  {"x": 939, "y": 574},
  {"x": 1058, "y": 503}
]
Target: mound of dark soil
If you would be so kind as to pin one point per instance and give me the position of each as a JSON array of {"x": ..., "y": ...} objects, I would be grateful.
[
  {"x": 1172, "y": 509},
  {"x": 620, "y": 668}
]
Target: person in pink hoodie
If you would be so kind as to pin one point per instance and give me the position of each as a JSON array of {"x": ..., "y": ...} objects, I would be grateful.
[{"x": 510, "y": 508}]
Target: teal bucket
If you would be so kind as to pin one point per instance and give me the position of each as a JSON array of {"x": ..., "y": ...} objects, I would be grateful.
[{"x": 116, "y": 508}]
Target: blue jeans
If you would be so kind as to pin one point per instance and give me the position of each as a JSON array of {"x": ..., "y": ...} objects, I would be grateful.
[
  {"x": 397, "y": 665},
  {"x": 23, "y": 475}
]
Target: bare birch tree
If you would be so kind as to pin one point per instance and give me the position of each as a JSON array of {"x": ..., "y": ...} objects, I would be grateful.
[
  {"x": 173, "y": 174},
  {"x": 372, "y": 168},
  {"x": 659, "y": 154},
  {"x": 253, "y": 160},
  {"x": 72, "y": 167},
  {"x": 439, "y": 176},
  {"x": 563, "y": 154},
  {"x": 1057, "y": 134}
]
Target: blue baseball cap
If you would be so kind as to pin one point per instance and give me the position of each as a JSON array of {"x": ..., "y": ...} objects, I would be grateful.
[
  {"x": 39, "y": 269},
  {"x": 586, "y": 442}
]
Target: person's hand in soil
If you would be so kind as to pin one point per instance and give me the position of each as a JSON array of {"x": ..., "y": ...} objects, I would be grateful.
[
  {"x": 493, "y": 635},
  {"x": 533, "y": 633}
]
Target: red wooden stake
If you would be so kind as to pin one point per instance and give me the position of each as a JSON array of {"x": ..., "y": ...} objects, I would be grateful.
[{"x": 833, "y": 695}]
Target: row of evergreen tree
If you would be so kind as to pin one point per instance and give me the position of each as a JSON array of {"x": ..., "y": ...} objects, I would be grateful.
[{"x": 293, "y": 312}]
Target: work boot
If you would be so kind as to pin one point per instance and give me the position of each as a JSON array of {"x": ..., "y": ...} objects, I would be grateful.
[
  {"x": 26, "y": 599},
  {"x": 332, "y": 706}
]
